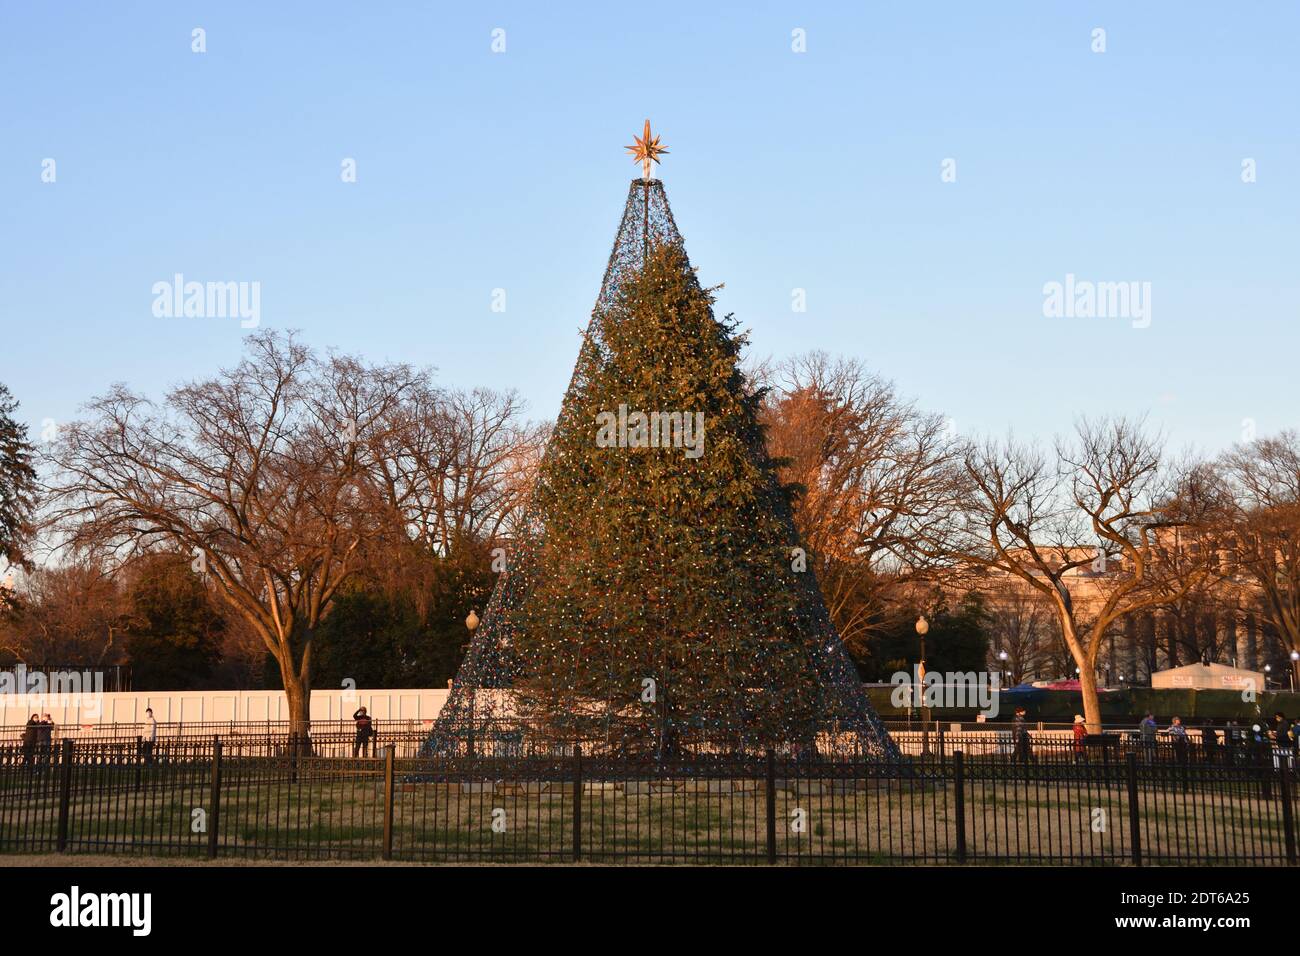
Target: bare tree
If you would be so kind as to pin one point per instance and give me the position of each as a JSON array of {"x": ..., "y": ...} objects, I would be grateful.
[
  {"x": 1261, "y": 529},
  {"x": 459, "y": 465},
  {"x": 1084, "y": 528},
  {"x": 869, "y": 469},
  {"x": 66, "y": 615},
  {"x": 243, "y": 653},
  {"x": 1023, "y": 627},
  {"x": 267, "y": 474},
  {"x": 457, "y": 470}
]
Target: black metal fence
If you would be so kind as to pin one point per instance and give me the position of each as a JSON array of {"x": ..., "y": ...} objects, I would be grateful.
[
  {"x": 203, "y": 797},
  {"x": 334, "y": 737}
]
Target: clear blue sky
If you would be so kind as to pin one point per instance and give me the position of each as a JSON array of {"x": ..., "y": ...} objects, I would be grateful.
[{"x": 818, "y": 170}]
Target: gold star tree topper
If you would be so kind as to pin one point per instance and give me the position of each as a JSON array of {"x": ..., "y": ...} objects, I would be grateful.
[{"x": 646, "y": 150}]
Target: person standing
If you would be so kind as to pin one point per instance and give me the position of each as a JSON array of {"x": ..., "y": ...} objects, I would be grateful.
[
  {"x": 1178, "y": 736},
  {"x": 150, "y": 736},
  {"x": 1147, "y": 731},
  {"x": 31, "y": 738},
  {"x": 1020, "y": 738},
  {"x": 45, "y": 739},
  {"x": 365, "y": 730},
  {"x": 1281, "y": 735},
  {"x": 1080, "y": 739}
]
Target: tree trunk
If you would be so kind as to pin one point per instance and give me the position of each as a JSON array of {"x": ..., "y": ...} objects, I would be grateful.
[
  {"x": 298, "y": 696},
  {"x": 1091, "y": 700},
  {"x": 1084, "y": 656}
]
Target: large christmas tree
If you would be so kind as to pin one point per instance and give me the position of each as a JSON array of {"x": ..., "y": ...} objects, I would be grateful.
[{"x": 657, "y": 603}]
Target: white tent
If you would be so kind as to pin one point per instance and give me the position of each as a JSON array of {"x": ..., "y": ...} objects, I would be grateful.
[{"x": 1208, "y": 677}]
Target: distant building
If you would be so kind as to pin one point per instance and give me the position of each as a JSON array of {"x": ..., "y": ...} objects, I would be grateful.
[{"x": 1225, "y": 625}]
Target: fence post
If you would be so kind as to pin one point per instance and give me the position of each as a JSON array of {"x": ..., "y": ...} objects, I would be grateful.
[
  {"x": 771, "y": 805},
  {"x": 65, "y": 794},
  {"x": 214, "y": 818},
  {"x": 139, "y": 759},
  {"x": 577, "y": 802},
  {"x": 388, "y": 802},
  {"x": 1134, "y": 822},
  {"x": 959, "y": 770},
  {"x": 1288, "y": 820}
]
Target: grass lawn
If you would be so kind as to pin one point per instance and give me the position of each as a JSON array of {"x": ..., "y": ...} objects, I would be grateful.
[{"x": 335, "y": 812}]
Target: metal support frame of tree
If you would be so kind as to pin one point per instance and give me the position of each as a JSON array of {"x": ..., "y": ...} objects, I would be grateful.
[{"x": 500, "y": 700}]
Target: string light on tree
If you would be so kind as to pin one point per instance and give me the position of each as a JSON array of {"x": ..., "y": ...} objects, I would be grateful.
[{"x": 637, "y": 562}]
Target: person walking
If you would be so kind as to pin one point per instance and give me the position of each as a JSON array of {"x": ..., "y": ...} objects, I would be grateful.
[
  {"x": 1021, "y": 746},
  {"x": 365, "y": 730},
  {"x": 1080, "y": 739},
  {"x": 150, "y": 735}
]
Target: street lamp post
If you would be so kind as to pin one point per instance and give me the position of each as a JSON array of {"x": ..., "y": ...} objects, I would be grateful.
[
  {"x": 923, "y": 628},
  {"x": 1295, "y": 666},
  {"x": 471, "y": 624}
]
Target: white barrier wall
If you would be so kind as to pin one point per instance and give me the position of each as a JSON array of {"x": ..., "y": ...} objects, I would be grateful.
[{"x": 211, "y": 706}]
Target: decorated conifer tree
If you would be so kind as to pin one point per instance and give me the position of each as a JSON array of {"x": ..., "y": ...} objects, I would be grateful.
[{"x": 657, "y": 603}]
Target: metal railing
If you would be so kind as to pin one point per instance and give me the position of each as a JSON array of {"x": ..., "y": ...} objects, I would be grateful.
[
  {"x": 207, "y": 798},
  {"x": 329, "y": 737}
]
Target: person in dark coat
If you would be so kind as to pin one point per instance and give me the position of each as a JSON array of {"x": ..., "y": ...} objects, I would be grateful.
[
  {"x": 1020, "y": 738},
  {"x": 1147, "y": 732},
  {"x": 1281, "y": 732},
  {"x": 1178, "y": 737},
  {"x": 365, "y": 730},
  {"x": 45, "y": 740},
  {"x": 31, "y": 737}
]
